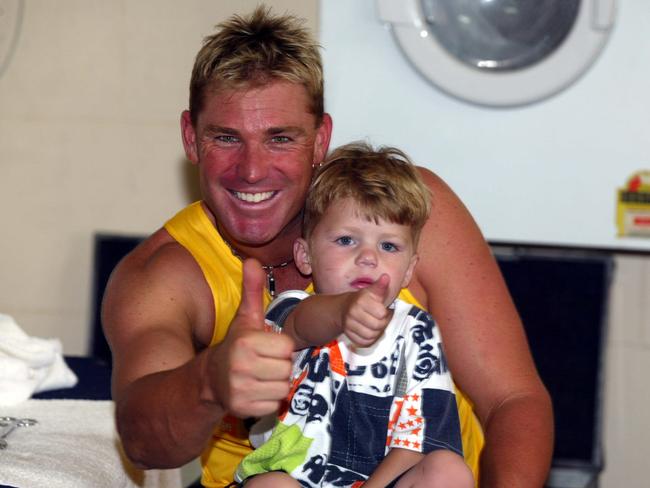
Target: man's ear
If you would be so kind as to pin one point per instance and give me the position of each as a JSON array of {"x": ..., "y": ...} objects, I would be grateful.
[
  {"x": 188, "y": 134},
  {"x": 301, "y": 256},
  {"x": 409, "y": 271},
  {"x": 322, "y": 142}
]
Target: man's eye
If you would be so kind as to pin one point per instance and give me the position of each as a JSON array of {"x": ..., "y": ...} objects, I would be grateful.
[
  {"x": 388, "y": 246},
  {"x": 344, "y": 240},
  {"x": 227, "y": 139},
  {"x": 280, "y": 139}
]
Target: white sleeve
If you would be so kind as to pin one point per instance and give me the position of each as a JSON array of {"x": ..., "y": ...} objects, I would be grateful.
[{"x": 281, "y": 307}]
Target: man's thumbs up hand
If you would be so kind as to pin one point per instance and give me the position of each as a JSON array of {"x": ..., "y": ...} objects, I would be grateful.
[
  {"x": 250, "y": 314},
  {"x": 250, "y": 369}
]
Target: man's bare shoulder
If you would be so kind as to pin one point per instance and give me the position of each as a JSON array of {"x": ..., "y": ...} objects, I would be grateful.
[
  {"x": 159, "y": 283},
  {"x": 449, "y": 242},
  {"x": 158, "y": 247}
]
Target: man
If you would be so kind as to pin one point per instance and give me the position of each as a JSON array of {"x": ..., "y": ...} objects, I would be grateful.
[{"x": 190, "y": 360}]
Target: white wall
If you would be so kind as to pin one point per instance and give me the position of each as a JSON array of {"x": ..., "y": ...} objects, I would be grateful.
[{"x": 89, "y": 141}]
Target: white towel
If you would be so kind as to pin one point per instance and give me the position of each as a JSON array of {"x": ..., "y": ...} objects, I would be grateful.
[
  {"x": 29, "y": 364},
  {"x": 73, "y": 445}
]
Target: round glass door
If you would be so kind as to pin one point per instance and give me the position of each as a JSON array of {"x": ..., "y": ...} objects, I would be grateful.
[{"x": 500, "y": 52}]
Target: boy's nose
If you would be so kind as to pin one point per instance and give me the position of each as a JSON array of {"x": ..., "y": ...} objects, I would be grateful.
[{"x": 367, "y": 257}]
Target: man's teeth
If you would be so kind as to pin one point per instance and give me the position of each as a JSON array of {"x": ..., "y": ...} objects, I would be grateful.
[{"x": 254, "y": 197}]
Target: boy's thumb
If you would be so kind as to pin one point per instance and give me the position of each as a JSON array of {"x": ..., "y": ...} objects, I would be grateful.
[{"x": 380, "y": 288}]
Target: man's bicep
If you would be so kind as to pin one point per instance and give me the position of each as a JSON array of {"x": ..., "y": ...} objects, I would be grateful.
[
  {"x": 463, "y": 289},
  {"x": 146, "y": 324}
]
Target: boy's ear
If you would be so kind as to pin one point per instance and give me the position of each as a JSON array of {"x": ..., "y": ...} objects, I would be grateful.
[
  {"x": 409, "y": 272},
  {"x": 301, "y": 256}
]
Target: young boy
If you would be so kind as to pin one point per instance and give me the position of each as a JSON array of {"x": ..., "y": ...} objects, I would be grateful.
[{"x": 372, "y": 401}]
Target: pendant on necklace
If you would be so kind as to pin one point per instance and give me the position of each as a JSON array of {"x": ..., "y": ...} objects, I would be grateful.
[{"x": 270, "y": 280}]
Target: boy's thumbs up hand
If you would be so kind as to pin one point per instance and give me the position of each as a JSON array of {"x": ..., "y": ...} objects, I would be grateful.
[
  {"x": 366, "y": 315},
  {"x": 380, "y": 289}
]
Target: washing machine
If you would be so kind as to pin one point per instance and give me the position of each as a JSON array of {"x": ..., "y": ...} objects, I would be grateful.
[
  {"x": 533, "y": 111},
  {"x": 500, "y": 52}
]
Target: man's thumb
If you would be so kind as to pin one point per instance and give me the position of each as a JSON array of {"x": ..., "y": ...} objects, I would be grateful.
[
  {"x": 380, "y": 288},
  {"x": 251, "y": 308}
]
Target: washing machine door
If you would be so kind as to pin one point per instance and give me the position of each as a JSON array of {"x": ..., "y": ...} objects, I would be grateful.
[{"x": 500, "y": 52}]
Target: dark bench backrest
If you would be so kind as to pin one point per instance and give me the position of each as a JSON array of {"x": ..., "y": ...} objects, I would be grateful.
[
  {"x": 109, "y": 249},
  {"x": 562, "y": 298}
]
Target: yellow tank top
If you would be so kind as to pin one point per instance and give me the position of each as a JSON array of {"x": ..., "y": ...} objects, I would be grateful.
[{"x": 192, "y": 228}]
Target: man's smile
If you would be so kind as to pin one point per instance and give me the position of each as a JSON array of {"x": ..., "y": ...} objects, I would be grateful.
[{"x": 253, "y": 197}]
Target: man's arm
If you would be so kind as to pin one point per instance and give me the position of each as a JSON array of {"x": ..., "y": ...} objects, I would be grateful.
[
  {"x": 360, "y": 315},
  {"x": 157, "y": 308},
  {"x": 459, "y": 282}
]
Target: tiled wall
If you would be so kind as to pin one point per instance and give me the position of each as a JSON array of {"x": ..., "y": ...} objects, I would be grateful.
[{"x": 627, "y": 383}]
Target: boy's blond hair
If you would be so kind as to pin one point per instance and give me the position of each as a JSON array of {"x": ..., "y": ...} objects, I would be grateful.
[
  {"x": 251, "y": 50},
  {"x": 383, "y": 182}
]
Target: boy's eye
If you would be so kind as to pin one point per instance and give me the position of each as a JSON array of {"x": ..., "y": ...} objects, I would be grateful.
[
  {"x": 344, "y": 240},
  {"x": 388, "y": 246}
]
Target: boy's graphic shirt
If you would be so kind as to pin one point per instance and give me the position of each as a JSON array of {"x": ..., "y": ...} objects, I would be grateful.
[{"x": 349, "y": 406}]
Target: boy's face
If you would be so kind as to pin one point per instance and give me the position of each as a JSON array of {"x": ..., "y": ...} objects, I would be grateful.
[{"x": 347, "y": 252}]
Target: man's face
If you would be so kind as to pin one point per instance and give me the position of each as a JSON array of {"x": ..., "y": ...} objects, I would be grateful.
[
  {"x": 255, "y": 148},
  {"x": 347, "y": 252}
]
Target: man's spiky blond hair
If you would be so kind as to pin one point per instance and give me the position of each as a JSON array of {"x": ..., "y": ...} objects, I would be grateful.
[{"x": 252, "y": 50}]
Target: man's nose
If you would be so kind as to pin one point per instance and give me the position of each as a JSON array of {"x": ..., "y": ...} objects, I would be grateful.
[
  {"x": 367, "y": 256},
  {"x": 253, "y": 165}
]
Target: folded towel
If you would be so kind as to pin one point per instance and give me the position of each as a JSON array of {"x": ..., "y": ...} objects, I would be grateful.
[
  {"x": 73, "y": 445},
  {"x": 29, "y": 365}
]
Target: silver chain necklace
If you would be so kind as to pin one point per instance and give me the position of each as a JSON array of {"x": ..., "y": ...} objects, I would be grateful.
[{"x": 268, "y": 269}]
